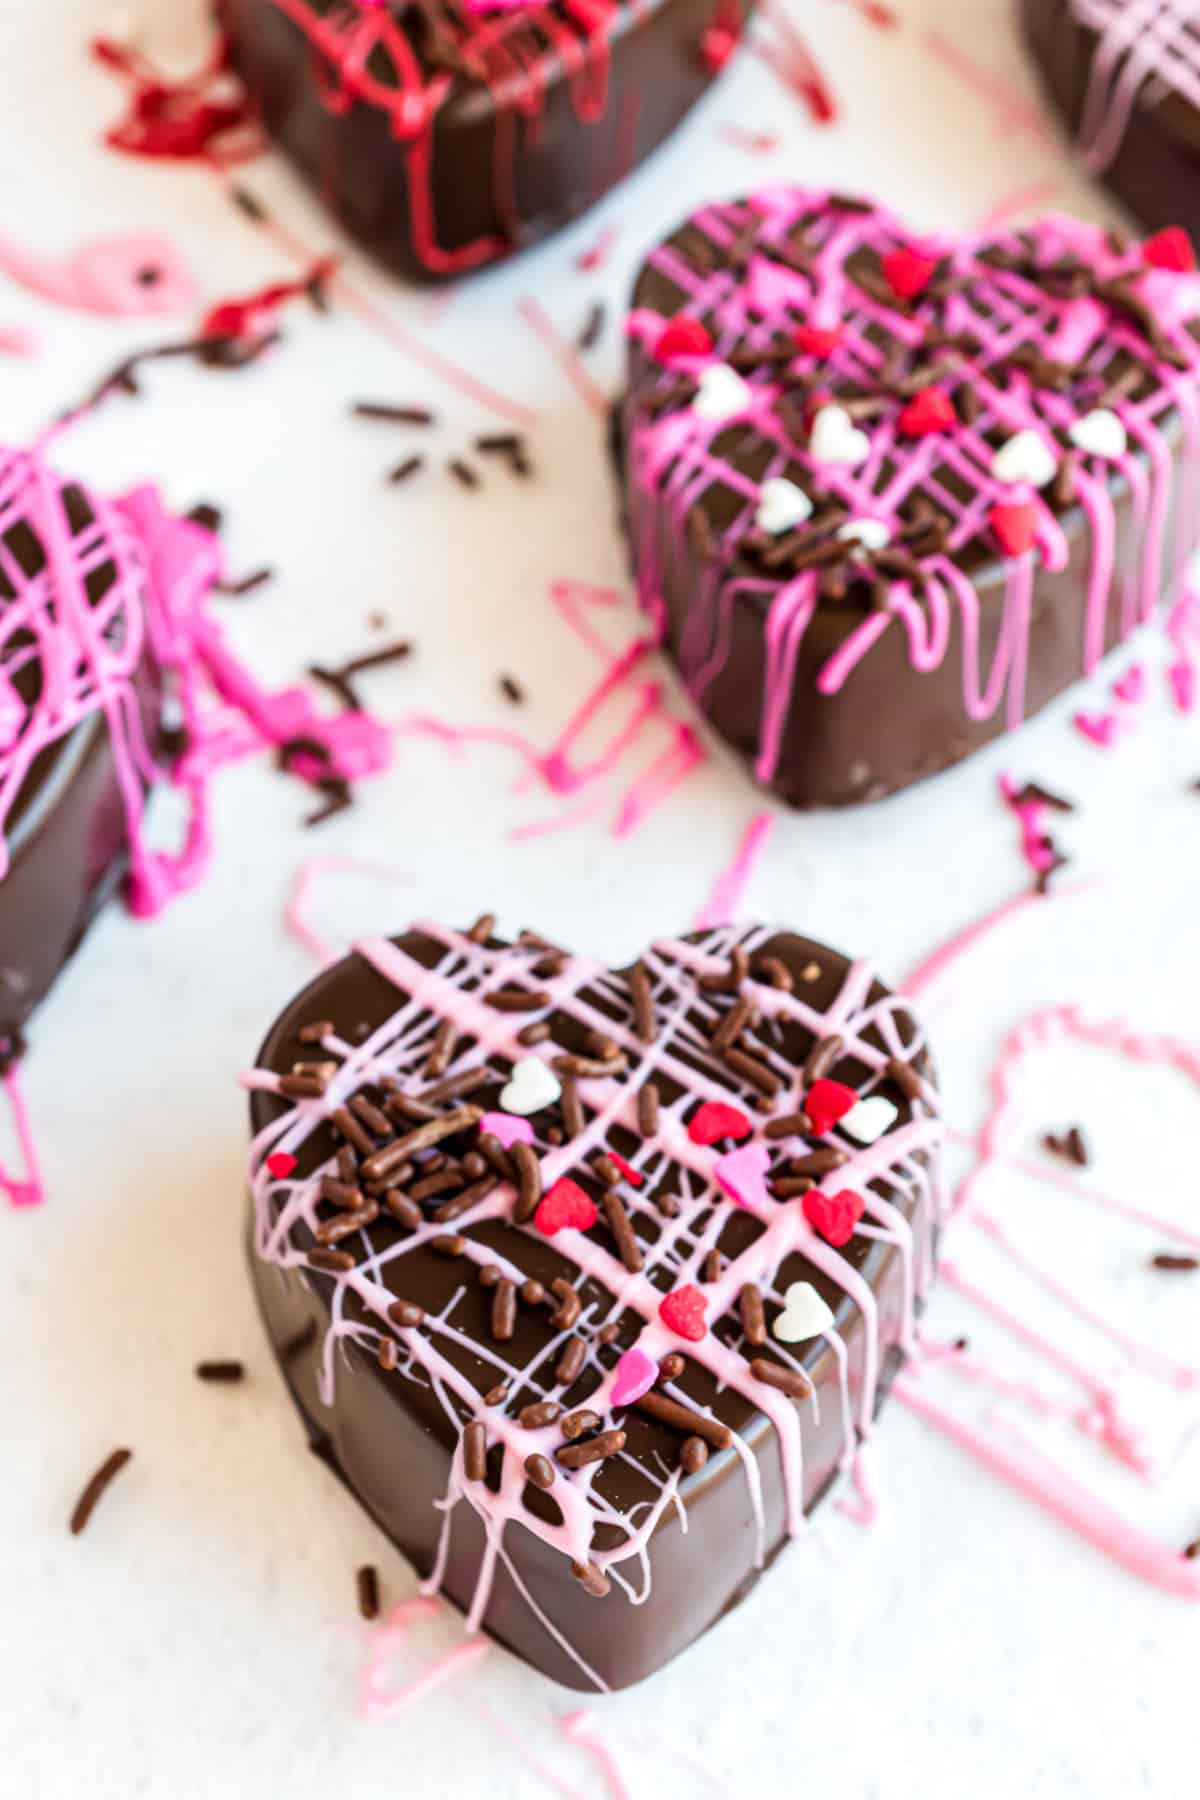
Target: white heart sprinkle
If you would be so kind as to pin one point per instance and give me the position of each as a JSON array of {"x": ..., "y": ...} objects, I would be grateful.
[
  {"x": 1025, "y": 458},
  {"x": 804, "y": 1315},
  {"x": 1100, "y": 433},
  {"x": 530, "y": 1087},
  {"x": 872, "y": 534},
  {"x": 870, "y": 1119},
  {"x": 781, "y": 506},
  {"x": 721, "y": 394},
  {"x": 835, "y": 438}
]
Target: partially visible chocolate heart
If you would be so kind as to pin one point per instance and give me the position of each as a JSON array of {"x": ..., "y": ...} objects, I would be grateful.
[
  {"x": 1003, "y": 413},
  {"x": 465, "y": 1372}
]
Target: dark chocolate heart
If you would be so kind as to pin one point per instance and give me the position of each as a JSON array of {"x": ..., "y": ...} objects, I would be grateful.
[
  {"x": 910, "y": 490},
  {"x": 453, "y": 1344},
  {"x": 1128, "y": 85},
  {"x": 79, "y": 706},
  {"x": 446, "y": 135}
]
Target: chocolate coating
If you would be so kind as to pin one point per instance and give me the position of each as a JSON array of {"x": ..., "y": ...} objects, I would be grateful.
[
  {"x": 392, "y": 1439},
  {"x": 702, "y": 561},
  {"x": 1156, "y": 168},
  {"x": 533, "y": 118},
  {"x": 67, "y": 834}
]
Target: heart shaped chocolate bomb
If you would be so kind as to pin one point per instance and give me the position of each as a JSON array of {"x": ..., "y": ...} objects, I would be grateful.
[
  {"x": 447, "y": 133},
  {"x": 533, "y": 1364},
  {"x": 986, "y": 433},
  {"x": 80, "y": 698}
]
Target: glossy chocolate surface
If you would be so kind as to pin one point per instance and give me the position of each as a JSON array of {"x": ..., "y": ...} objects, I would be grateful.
[
  {"x": 392, "y": 1436},
  {"x": 467, "y": 138}
]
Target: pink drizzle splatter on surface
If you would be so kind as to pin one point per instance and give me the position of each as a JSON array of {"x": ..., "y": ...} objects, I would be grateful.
[
  {"x": 134, "y": 277},
  {"x": 729, "y": 891},
  {"x": 25, "y": 1189}
]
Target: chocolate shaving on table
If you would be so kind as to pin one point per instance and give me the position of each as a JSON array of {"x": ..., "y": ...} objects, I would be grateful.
[
  {"x": 392, "y": 415},
  {"x": 1172, "y": 1264},
  {"x": 1070, "y": 1145},
  {"x": 96, "y": 1488},
  {"x": 512, "y": 690},
  {"x": 366, "y": 1583},
  {"x": 248, "y": 584},
  {"x": 228, "y": 1372},
  {"x": 593, "y": 327},
  {"x": 463, "y": 473},
  {"x": 405, "y": 470}
]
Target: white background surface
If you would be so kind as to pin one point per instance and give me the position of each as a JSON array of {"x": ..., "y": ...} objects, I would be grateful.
[{"x": 201, "y": 1639}]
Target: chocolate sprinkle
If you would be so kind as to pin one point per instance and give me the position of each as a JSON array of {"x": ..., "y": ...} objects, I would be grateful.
[
  {"x": 754, "y": 1324},
  {"x": 221, "y": 1371},
  {"x": 96, "y": 1488},
  {"x": 1175, "y": 1265},
  {"x": 475, "y": 1451},
  {"x": 791, "y": 1382},
  {"x": 367, "y": 1588},
  {"x": 693, "y": 1455},
  {"x": 628, "y": 1248},
  {"x": 683, "y": 1418},
  {"x": 597, "y": 1449},
  {"x": 540, "y": 1470}
]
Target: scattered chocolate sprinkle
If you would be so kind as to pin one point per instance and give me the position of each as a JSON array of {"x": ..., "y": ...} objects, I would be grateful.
[
  {"x": 539, "y": 1415},
  {"x": 754, "y": 1323},
  {"x": 489, "y": 1275},
  {"x": 448, "y": 1243},
  {"x": 821, "y": 1059},
  {"x": 605, "y": 1170},
  {"x": 579, "y": 1423},
  {"x": 537, "y": 1033},
  {"x": 1070, "y": 1145},
  {"x": 353, "y": 1132},
  {"x": 710, "y": 1269},
  {"x": 672, "y": 1366},
  {"x": 693, "y": 1455},
  {"x": 648, "y": 1109},
  {"x": 247, "y": 584},
  {"x": 392, "y": 415},
  {"x": 221, "y": 1371},
  {"x": 475, "y": 1451},
  {"x": 738, "y": 1019},
  {"x": 593, "y": 327},
  {"x": 463, "y": 473},
  {"x": 790, "y": 1187},
  {"x": 628, "y": 1248},
  {"x": 333, "y": 1262},
  {"x": 388, "y": 1354},
  {"x": 482, "y": 929},
  {"x": 818, "y": 1162},
  {"x": 592, "y": 1580},
  {"x": 587, "y": 1067},
  {"x": 532, "y": 1293},
  {"x": 517, "y": 1000},
  {"x": 497, "y": 1156},
  {"x": 608, "y": 1334},
  {"x": 571, "y": 1361},
  {"x": 500, "y": 443},
  {"x": 371, "y": 1116},
  {"x": 462, "y": 1203},
  {"x": 94, "y": 1492},
  {"x": 776, "y": 972},
  {"x": 247, "y": 203},
  {"x": 529, "y": 1183},
  {"x": 596, "y": 1449},
  {"x": 569, "y": 1304},
  {"x": 1193, "y": 1551},
  {"x": 753, "y": 1071},
  {"x": 1175, "y": 1265},
  {"x": 791, "y": 1382},
  {"x": 404, "y": 470},
  {"x": 683, "y": 1418},
  {"x": 572, "y": 1108},
  {"x": 789, "y": 1125},
  {"x": 347, "y": 1223},
  {"x": 442, "y": 1050},
  {"x": 903, "y": 1076},
  {"x": 402, "y": 1208},
  {"x": 367, "y": 1586},
  {"x": 644, "y": 1024},
  {"x": 668, "y": 1206},
  {"x": 380, "y": 1165},
  {"x": 512, "y": 690},
  {"x": 504, "y": 1311},
  {"x": 301, "y": 1087},
  {"x": 497, "y": 1395},
  {"x": 540, "y": 1470}
]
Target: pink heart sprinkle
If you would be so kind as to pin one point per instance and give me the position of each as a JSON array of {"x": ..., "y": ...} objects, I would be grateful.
[
  {"x": 1132, "y": 685},
  {"x": 636, "y": 1375},
  {"x": 741, "y": 1174},
  {"x": 507, "y": 1128},
  {"x": 1101, "y": 728}
]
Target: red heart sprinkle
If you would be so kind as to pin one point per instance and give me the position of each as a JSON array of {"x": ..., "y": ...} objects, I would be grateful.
[
  {"x": 834, "y": 1215},
  {"x": 814, "y": 341},
  {"x": 281, "y": 1163},
  {"x": 1015, "y": 527},
  {"x": 827, "y": 1102},
  {"x": 683, "y": 337},
  {"x": 908, "y": 272},
  {"x": 930, "y": 409},
  {"x": 717, "y": 45},
  {"x": 714, "y": 1121},
  {"x": 633, "y": 1176},
  {"x": 683, "y": 1313},
  {"x": 1170, "y": 249},
  {"x": 564, "y": 1207}
]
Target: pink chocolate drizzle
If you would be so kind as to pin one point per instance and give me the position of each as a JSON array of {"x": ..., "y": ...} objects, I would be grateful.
[
  {"x": 894, "y": 1164},
  {"x": 1147, "y": 49},
  {"x": 673, "y": 460}
]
